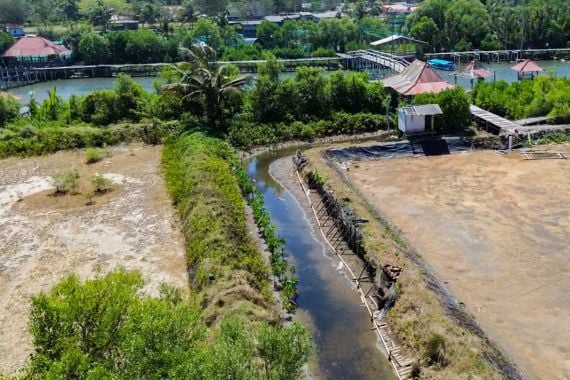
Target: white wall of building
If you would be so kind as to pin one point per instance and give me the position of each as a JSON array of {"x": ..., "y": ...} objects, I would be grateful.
[{"x": 411, "y": 123}]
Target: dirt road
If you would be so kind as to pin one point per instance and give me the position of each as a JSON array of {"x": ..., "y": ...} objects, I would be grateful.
[
  {"x": 43, "y": 238},
  {"x": 496, "y": 229}
]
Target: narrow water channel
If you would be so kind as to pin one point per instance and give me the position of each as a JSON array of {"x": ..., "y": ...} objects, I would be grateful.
[{"x": 328, "y": 303}]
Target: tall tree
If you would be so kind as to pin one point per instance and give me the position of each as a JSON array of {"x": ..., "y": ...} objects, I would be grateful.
[
  {"x": 467, "y": 22},
  {"x": 13, "y": 11},
  {"x": 202, "y": 77}
]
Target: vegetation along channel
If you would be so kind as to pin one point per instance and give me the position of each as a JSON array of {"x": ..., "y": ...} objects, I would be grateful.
[
  {"x": 156, "y": 221},
  {"x": 327, "y": 300}
]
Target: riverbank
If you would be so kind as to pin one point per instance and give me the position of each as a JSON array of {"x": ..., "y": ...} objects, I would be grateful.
[{"x": 420, "y": 313}]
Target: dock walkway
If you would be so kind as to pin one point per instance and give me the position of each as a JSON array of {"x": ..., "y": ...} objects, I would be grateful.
[
  {"x": 360, "y": 59},
  {"x": 493, "y": 123}
]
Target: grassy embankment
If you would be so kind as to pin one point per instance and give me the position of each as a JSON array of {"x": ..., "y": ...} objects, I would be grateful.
[
  {"x": 418, "y": 318},
  {"x": 227, "y": 272}
]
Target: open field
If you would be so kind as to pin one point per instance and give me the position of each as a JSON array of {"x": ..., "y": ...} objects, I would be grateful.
[
  {"x": 43, "y": 238},
  {"x": 496, "y": 230}
]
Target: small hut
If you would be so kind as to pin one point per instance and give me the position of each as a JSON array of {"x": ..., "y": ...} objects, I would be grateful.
[
  {"x": 34, "y": 49},
  {"x": 527, "y": 69},
  {"x": 417, "y": 119},
  {"x": 473, "y": 72},
  {"x": 417, "y": 78}
]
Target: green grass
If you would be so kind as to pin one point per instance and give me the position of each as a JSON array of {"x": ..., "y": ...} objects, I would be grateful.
[
  {"x": 557, "y": 138},
  {"x": 227, "y": 271},
  {"x": 30, "y": 140}
]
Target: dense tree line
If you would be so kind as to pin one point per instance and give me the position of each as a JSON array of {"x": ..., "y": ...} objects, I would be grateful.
[
  {"x": 98, "y": 12},
  {"x": 492, "y": 24},
  {"x": 543, "y": 96}
]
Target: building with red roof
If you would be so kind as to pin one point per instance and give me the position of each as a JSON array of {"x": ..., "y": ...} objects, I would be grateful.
[
  {"x": 527, "y": 67},
  {"x": 35, "y": 49},
  {"x": 417, "y": 78}
]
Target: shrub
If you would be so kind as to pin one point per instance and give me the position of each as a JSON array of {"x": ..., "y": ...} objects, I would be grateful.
[
  {"x": 89, "y": 198},
  {"x": 99, "y": 108},
  {"x": 6, "y": 40},
  {"x": 65, "y": 182},
  {"x": 93, "y": 155},
  {"x": 436, "y": 350},
  {"x": 104, "y": 328},
  {"x": 101, "y": 184},
  {"x": 9, "y": 109},
  {"x": 129, "y": 97},
  {"x": 93, "y": 49}
]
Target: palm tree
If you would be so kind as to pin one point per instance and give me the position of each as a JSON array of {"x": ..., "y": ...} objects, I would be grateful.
[{"x": 204, "y": 77}]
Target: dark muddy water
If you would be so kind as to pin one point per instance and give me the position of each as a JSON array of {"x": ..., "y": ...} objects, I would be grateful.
[{"x": 328, "y": 303}]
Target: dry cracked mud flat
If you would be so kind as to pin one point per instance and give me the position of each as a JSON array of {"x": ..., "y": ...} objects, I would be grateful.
[
  {"x": 496, "y": 229},
  {"x": 43, "y": 238}
]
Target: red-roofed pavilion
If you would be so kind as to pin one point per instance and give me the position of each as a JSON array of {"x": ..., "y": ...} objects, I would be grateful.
[
  {"x": 527, "y": 67},
  {"x": 35, "y": 49},
  {"x": 418, "y": 78}
]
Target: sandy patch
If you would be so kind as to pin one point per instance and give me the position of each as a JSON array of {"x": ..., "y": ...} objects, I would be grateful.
[
  {"x": 496, "y": 229},
  {"x": 43, "y": 238}
]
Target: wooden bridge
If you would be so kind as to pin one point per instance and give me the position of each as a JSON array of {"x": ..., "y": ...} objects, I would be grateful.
[
  {"x": 491, "y": 122},
  {"x": 372, "y": 59},
  {"x": 498, "y": 55}
]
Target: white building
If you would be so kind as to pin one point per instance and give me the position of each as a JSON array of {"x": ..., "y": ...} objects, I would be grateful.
[{"x": 417, "y": 119}]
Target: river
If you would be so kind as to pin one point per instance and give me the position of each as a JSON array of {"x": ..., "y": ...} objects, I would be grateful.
[
  {"x": 328, "y": 303},
  {"x": 67, "y": 87}
]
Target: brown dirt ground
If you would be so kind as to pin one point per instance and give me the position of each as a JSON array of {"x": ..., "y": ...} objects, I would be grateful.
[
  {"x": 43, "y": 238},
  {"x": 496, "y": 229}
]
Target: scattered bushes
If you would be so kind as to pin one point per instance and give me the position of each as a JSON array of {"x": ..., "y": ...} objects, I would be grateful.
[{"x": 28, "y": 140}]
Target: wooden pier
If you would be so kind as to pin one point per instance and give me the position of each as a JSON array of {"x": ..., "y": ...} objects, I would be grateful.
[
  {"x": 500, "y": 55},
  {"x": 17, "y": 76},
  {"x": 491, "y": 122}
]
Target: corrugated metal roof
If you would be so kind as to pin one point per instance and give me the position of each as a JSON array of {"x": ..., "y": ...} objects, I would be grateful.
[
  {"x": 35, "y": 47},
  {"x": 395, "y": 37},
  {"x": 422, "y": 110},
  {"x": 417, "y": 78}
]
